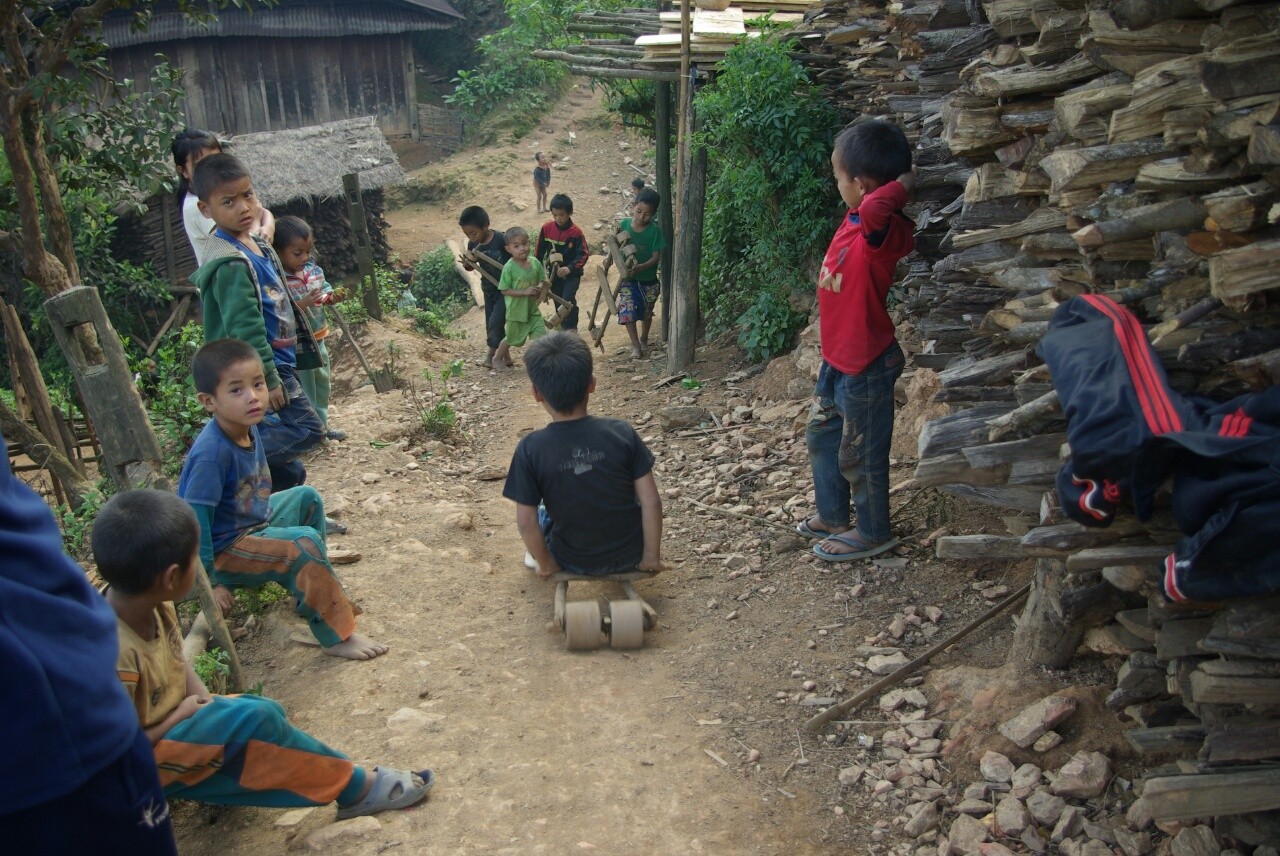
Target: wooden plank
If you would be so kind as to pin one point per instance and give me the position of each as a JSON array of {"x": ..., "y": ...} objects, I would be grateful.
[
  {"x": 1244, "y": 744},
  {"x": 988, "y": 547},
  {"x": 1168, "y": 738},
  {"x": 1101, "y": 557},
  {"x": 1225, "y": 689},
  {"x": 991, "y": 454},
  {"x": 719, "y": 25},
  {"x": 1244, "y": 271},
  {"x": 1210, "y": 794}
]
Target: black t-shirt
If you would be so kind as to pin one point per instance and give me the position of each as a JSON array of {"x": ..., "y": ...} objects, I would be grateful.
[
  {"x": 584, "y": 471},
  {"x": 496, "y": 249}
]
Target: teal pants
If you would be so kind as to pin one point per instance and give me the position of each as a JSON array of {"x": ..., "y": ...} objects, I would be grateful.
[
  {"x": 291, "y": 551},
  {"x": 242, "y": 750},
  {"x": 315, "y": 383}
]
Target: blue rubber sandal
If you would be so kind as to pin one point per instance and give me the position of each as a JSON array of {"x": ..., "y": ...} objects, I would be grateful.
[
  {"x": 862, "y": 549},
  {"x": 413, "y": 788},
  {"x": 808, "y": 531}
]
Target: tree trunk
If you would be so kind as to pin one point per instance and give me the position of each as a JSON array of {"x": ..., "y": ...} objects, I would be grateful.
[
  {"x": 55, "y": 216},
  {"x": 688, "y": 256}
]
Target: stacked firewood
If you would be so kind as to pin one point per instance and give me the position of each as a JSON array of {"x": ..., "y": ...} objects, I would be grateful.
[{"x": 1130, "y": 148}]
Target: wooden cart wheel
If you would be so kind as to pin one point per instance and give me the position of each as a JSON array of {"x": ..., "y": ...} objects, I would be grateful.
[
  {"x": 582, "y": 625},
  {"x": 626, "y": 620}
]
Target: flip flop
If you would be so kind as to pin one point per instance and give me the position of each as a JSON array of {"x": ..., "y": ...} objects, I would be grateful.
[
  {"x": 385, "y": 781},
  {"x": 808, "y": 531},
  {"x": 866, "y": 550}
]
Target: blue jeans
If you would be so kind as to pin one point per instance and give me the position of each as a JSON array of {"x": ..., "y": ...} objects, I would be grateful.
[
  {"x": 849, "y": 432},
  {"x": 544, "y": 522},
  {"x": 292, "y": 430}
]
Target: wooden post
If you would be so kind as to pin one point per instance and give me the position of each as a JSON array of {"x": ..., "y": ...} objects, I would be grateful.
[
  {"x": 93, "y": 351},
  {"x": 1058, "y": 612},
  {"x": 682, "y": 132},
  {"x": 218, "y": 626},
  {"x": 688, "y": 252},
  {"x": 364, "y": 247},
  {"x": 662, "y": 131}
]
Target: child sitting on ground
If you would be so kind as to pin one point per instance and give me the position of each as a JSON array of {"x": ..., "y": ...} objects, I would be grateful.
[
  {"x": 244, "y": 297},
  {"x": 233, "y": 750},
  {"x": 561, "y": 235},
  {"x": 541, "y": 180},
  {"x": 640, "y": 289},
  {"x": 248, "y": 535},
  {"x": 586, "y": 500},
  {"x": 520, "y": 284},
  {"x": 851, "y": 421},
  {"x": 294, "y": 243},
  {"x": 190, "y": 147},
  {"x": 482, "y": 239}
]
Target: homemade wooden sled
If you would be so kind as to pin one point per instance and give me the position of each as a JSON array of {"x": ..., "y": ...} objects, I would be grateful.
[
  {"x": 563, "y": 307},
  {"x": 621, "y": 623}
]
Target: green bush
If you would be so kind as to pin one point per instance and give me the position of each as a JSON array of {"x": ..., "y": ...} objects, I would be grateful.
[
  {"x": 436, "y": 280},
  {"x": 77, "y": 524},
  {"x": 770, "y": 195},
  {"x": 170, "y": 393}
]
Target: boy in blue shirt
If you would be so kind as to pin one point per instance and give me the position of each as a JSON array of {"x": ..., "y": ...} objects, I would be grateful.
[
  {"x": 248, "y": 535},
  {"x": 242, "y": 287}
]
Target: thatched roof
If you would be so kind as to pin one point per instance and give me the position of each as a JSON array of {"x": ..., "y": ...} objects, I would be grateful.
[{"x": 311, "y": 161}]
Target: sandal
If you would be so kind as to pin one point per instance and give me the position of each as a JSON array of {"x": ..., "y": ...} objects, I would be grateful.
[
  {"x": 808, "y": 531},
  {"x": 862, "y": 549},
  {"x": 383, "y": 796}
]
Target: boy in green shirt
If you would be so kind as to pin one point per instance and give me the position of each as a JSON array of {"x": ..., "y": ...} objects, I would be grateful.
[
  {"x": 638, "y": 294},
  {"x": 520, "y": 283}
]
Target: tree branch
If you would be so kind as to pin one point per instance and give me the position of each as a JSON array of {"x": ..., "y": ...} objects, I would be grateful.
[{"x": 55, "y": 52}]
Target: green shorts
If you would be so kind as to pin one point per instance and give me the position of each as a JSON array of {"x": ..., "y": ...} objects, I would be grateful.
[{"x": 518, "y": 332}]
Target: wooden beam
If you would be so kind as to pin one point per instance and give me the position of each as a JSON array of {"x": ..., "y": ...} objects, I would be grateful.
[
  {"x": 1211, "y": 794},
  {"x": 666, "y": 222}
]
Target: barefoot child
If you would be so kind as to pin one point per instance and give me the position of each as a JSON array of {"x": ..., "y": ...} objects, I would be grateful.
[
  {"x": 521, "y": 281},
  {"x": 851, "y": 421},
  {"x": 541, "y": 181},
  {"x": 482, "y": 238},
  {"x": 305, "y": 280},
  {"x": 190, "y": 147},
  {"x": 586, "y": 500},
  {"x": 248, "y": 535},
  {"x": 639, "y": 291},
  {"x": 232, "y": 750}
]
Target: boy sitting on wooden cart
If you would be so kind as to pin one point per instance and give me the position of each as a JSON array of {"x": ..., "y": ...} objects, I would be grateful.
[{"x": 586, "y": 500}]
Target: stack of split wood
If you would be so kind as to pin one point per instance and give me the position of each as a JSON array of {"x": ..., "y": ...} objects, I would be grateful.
[{"x": 1130, "y": 148}]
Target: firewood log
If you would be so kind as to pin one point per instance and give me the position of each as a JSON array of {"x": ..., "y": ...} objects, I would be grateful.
[{"x": 1098, "y": 165}]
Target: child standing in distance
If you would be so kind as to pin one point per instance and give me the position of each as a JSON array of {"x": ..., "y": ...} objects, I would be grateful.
[
  {"x": 481, "y": 238},
  {"x": 639, "y": 292},
  {"x": 231, "y": 750},
  {"x": 851, "y": 420},
  {"x": 188, "y": 148},
  {"x": 541, "y": 180},
  {"x": 586, "y": 500},
  {"x": 521, "y": 281},
  {"x": 295, "y": 243},
  {"x": 248, "y": 535},
  {"x": 560, "y": 235},
  {"x": 242, "y": 287},
  {"x": 637, "y": 185}
]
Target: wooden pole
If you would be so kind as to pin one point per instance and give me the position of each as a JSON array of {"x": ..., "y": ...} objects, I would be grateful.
[
  {"x": 682, "y": 131},
  {"x": 38, "y": 448},
  {"x": 688, "y": 251},
  {"x": 662, "y": 131},
  {"x": 364, "y": 247},
  {"x": 218, "y": 626}
]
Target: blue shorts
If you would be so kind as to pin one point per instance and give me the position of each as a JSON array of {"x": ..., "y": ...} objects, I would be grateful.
[{"x": 637, "y": 300}]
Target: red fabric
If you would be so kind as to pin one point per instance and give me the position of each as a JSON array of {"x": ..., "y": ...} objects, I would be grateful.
[{"x": 855, "y": 322}]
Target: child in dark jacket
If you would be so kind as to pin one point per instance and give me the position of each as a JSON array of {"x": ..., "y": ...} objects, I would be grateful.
[
  {"x": 560, "y": 235},
  {"x": 242, "y": 287}
]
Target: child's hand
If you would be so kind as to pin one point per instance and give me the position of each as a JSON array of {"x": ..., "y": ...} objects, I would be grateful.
[
  {"x": 311, "y": 299},
  {"x": 188, "y": 707},
  {"x": 561, "y": 272},
  {"x": 908, "y": 182},
  {"x": 652, "y": 564},
  {"x": 277, "y": 398},
  {"x": 546, "y": 569},
  {"x": 224, "y": 598}
]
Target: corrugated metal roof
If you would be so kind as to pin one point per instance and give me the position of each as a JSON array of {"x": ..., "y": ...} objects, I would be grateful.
[{"x": 290, "y": 19}]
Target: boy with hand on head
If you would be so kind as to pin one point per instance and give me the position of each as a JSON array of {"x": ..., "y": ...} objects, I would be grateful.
[
  {"x": 520, "y": 284},
  {"x": 190, "y": 147},
  {"x": 295, "y": 243},
  {"x": 541, "y": 180},
  {"x": 242, "y": 288},
  {"x": 851, "y": 421},
  {"x": 232, "y": 750},
  {"x": 560, "y": 235},
  {"x": 481, "y": 238},
  {"x": 640, "y": 289},
  {"x": 586, "y": 500},
  {"x": 248, "y": 535}
]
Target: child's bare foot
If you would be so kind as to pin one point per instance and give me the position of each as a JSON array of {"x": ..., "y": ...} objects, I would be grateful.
[
  {"x": 637, "y": 353},
  {"x": 357, "y": 647}
]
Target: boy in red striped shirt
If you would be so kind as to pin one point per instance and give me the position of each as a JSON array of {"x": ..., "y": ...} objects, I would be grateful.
[{"x": 851, "y": 421}]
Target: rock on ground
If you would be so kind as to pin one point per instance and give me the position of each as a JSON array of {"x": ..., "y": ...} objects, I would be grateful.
[
  {"x": 336, "y": 837},
  {"x": 1034, "y": 720},
  {"x": 1085, "y": 775}
]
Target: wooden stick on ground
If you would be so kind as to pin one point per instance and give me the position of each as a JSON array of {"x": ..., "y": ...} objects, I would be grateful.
[{"x": 838, "y": 710}]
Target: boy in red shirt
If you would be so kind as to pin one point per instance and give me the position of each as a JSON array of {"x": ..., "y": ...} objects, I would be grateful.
[{"x": 851, "y": 421}]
